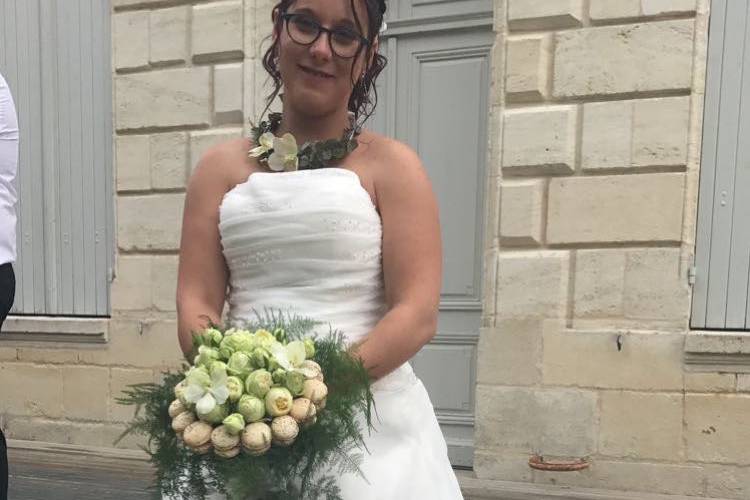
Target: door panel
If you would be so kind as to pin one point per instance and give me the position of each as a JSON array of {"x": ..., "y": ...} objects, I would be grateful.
[{"x": 434, "y": 95}]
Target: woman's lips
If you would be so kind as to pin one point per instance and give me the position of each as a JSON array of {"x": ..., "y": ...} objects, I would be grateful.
[{"x": 316, "y": 73}]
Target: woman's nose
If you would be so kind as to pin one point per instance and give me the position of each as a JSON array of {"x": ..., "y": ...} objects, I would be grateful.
[{"x": 321, "y": 49}]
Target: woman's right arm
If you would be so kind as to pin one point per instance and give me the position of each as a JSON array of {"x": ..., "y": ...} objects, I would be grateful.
[{"x": 202, "y": 273}]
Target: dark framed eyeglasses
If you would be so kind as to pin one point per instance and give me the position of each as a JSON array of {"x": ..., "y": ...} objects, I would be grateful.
[{"x": 305, "y": 30}]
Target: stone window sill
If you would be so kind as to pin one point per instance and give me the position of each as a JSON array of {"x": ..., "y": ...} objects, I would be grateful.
[
  {"x": 55, "y": 329},
  {"x": 717, "y": 351}
]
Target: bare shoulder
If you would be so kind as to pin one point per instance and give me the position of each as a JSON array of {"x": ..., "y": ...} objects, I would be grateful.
[
  {"x": 388, "y": 152},
  {"x": 223, "y": 166},
  {"x": 394, "y": 165}
]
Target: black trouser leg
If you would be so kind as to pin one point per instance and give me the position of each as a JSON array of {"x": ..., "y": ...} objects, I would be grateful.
[
  {"x": 3, "y": 467},
  {"x": 7, "y": 295},
  {"x": 7, "y": 291}
]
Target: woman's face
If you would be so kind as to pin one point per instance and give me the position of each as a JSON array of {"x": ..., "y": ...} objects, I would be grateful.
[{"x": 316, "y": 80}]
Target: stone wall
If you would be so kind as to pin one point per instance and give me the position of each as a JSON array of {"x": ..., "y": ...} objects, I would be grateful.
[
  {"x": 596, "y": 123},
  {"x": 597, "y": 127}
]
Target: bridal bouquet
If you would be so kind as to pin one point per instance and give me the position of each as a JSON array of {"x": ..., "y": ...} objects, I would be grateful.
[{"x": 265, "y": 411}]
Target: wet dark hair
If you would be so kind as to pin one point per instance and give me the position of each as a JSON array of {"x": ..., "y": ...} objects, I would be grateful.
[{"x": 364, "y": 96}]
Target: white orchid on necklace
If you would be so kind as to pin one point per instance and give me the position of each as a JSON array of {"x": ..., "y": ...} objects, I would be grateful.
[
  {"x": 265, "y": 144},
  {"x": 281, "y": 152},
  {"x": 284, "y": 156}
]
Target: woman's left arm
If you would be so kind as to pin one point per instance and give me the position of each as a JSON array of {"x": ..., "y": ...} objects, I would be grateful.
[{"x": 412, "y": 263}]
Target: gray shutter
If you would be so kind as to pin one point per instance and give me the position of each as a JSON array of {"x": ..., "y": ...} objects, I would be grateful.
[
  {"x": 434, "y": 95},
  {"x": 56, "y": 58},
  {"x": 721, "y": 299}
]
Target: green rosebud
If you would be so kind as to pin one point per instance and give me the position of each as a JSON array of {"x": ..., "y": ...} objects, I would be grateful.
[
  {"x": 216, "y": 415},
  {"x": 258, "y": 383},
  {"x": 239, "y": 365},
  {"x": 280, "y": 335},
  {"x": 264, "y": 338},
  {"x": 225, "y": 352},
  {"x": 237, "y": 331},
  {"x": 198, "y": 375},
  {"x": 251, "y": 408},
  {"x": 295, "y": 382},
  {"x": 236, "y": 388},
  {"x": 206, "y": 355},
  {"x": 273, "y": 365},
  {"x": 245, "y": 341},
  {"x": 238, "y": 341},
  {"x": 279, "y": 376},
  {"x": 279, "y": 401},
  {"x": 259, "y": 358},
  {"x": 235, "y": 423},
  {"x": 212, "y": 337},
  {"x": 217, "y": 365},
  {"x": 309, "y": 348}
]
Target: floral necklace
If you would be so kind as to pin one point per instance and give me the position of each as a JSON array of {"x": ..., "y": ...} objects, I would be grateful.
[{"x": 284, "y": 154}]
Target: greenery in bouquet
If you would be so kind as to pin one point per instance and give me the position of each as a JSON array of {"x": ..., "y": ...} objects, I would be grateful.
[{"x": 266, "y": 411}]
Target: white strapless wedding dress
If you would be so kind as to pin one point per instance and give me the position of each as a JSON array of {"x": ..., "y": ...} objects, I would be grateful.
[{"x": 309, "y": 242}]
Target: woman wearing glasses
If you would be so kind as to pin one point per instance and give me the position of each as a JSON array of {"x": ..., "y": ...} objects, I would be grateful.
[{"x": 349, "y": 236}]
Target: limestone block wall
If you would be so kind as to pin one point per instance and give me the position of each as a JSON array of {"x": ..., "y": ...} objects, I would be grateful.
[
  {"x": 180, "y": 70},
  {"x": 596, "y": 126},
  {"x": 595, "y": 123}
]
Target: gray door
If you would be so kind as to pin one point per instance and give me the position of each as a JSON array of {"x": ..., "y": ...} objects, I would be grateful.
[
  {"x": 434, "y": 96},
  {"x": 721, "y": 297}
]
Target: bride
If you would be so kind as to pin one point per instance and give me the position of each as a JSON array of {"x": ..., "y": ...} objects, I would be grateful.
[{"x": 355, "y": 244}]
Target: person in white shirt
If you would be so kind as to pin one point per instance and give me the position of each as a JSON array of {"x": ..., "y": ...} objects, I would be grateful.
[{"x": 8, "y": 198}]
